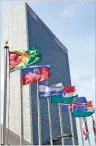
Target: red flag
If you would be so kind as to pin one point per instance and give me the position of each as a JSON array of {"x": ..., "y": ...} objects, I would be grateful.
[
  {"x": 89, "y": 104},
  {"x": 35, "y": 74},
  {"x": 69, "y": 89},
  {"x": 15, "y": 59}
]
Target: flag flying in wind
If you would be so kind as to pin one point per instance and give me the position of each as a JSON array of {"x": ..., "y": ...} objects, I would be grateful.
[
  {"x": 35, "y": 74},
  {"x": 63, "y": 99},
  {"x": 82, "y": 110},
  {"x": 23, "y": 59},
  {"x": 81, "y": 99},
  {"x": 52, "y": 90},
  {"x": 79, "y": 109},
  {"x": 94, "y": 126},
  {"x": 69, "y": 89},
  {"x": 84, "y": 129},
  {"x": 68, "y": 96},
  {"x": 66, "y": 107}
]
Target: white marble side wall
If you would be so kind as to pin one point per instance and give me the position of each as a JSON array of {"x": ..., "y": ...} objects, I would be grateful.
[{"x": 15, "y": 32}]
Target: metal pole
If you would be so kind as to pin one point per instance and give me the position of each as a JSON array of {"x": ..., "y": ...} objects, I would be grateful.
[
  {"x": 31, "y": 121},
  {"x": 80, "y": 123},
  {"x": 39, "y": 118},
  {"x": 94, "y": 125},
  {"x": 72, "y": 129},
  {"x": 50, "y": 123},
  {"x": 61, "y": 124},
  {"x": 21, "y": 97},
  {"x": 8, "y": 100},
  {"x": 5, "y": 92},
  {"x": 87, "y": 130}
]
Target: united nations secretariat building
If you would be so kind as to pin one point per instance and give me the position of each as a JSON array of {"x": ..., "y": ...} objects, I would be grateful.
[{"x": 23, "y": 28}]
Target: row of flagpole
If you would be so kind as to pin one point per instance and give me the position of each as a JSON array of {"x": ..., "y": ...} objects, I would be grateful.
[
  {"x": 6, "y": 86},
  {"x": 21, "y": 111}
]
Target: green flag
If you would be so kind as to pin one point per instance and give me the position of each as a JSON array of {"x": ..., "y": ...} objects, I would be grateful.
[
  {"x": 81, "y": 114},
  {"x": 22, "y": 59},
  {"x": 61, "y": 99}
]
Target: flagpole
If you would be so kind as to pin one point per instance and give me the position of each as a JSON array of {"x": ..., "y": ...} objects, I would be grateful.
[
  {"x": 80, "y": 123},
  {"x": 8, "y": 101},
  {"x": 72, "y": 129},
  {"x": 31, "y": 119},
  {"x": 61, "y": 124},
  {"x": 39, "y": 118},
  {"x": 21, "y": 97},
  {"x": 88, "y": 131},
  {"x": 93, "y": 129},
  {"x": 50, "y": 123},
  {"x": 5, "y": 92}
]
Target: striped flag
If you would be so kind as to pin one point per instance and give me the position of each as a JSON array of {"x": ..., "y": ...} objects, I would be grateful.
[{"x": 52, "y": 90}]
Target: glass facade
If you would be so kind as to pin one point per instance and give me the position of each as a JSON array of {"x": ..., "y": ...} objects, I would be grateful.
[{"x": 56, "y": 55}]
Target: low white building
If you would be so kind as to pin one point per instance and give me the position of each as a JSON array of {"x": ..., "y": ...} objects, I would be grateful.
[{"x": 12, "y": 138}]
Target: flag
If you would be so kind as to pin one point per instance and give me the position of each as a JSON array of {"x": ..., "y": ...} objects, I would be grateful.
[
  {"x": 63, "y": 99},
  {"x": 82, "y": 110},
  {"x": 81, "y": 99},
  {"x": 84, "y": 129},
  {"x": 23, "y": 59},
  {"x": 94, "y": 126},
  {"x": 70, "y": 94},
  {"x": 79, "y": 108},
  {"x": 77, "y": 105},
  {"x": 65, "y": 107},
  {"x": 52, "y": 90},
  {"x": 69, "y": 89},
  {"x": 35, "y": 74}
]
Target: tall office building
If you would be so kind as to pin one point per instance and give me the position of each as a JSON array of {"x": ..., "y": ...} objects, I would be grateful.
[{"x": 23, "y": 28}]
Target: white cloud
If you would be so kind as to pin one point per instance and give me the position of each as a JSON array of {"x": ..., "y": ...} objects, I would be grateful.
[
  {"x": 85, "y": 87},
  {"x": 71, "y": 9}
]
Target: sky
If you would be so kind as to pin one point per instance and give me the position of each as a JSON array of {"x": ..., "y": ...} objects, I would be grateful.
[{"x": 73, "y": 23}]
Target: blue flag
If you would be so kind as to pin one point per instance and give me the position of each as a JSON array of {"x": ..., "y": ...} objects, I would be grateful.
[
  {"x": 65, "y": 107},
  {"x": 78, "y": 108},
  {"x": 81, "y": 99},
  {"x": 52, "y": 90}
]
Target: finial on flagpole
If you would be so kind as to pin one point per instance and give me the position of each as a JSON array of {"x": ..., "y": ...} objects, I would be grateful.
[{"x": 6, "y": 43}]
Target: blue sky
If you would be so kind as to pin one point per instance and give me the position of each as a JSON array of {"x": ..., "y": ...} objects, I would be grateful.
[{"x": 74, "y": 24}]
